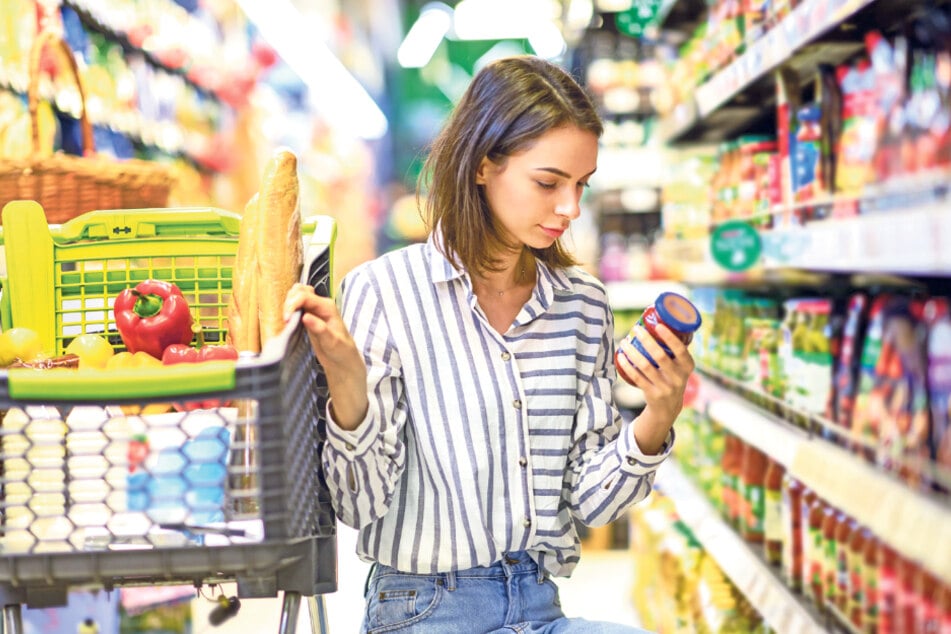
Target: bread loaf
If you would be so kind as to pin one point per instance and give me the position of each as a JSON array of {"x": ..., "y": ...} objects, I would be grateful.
[
  {"x": 243, "y": 323},
  {"x": 279, "y": 247}
]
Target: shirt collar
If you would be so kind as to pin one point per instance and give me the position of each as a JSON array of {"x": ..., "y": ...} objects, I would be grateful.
[{"x": 442, "y": 270}]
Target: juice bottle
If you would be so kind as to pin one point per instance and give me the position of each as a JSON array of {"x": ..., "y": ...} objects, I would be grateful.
[
  {"x": 791, "y": 563},
  {"x": 944, "y": 603},
  {"x": 813, "y": 564},
  {"x": 906, "y": 595},
  {"x": 843, "y": 534},
  {"x": 732, "y": 463},
  {"x": 929, "y": 609},
  {"x": 856, "y": 559},
  {"x": 772, "y": 513},
  {"x": 830, "y": 526},
  {"x": 752, "y": 478},
  {"x": 887, "y": 590},
  {"x": 870, "y": 573}
]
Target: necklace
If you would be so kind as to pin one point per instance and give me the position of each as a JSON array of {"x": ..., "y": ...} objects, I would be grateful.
[{"x": 518, "y": 280}]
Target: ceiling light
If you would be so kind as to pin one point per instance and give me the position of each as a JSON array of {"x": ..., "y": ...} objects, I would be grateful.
[
  {"x": 425, "y": 36},
  {"x": 500, "y": 19},
  {"x": 333, "y": 90},
  {"x": 547, "y": 41}
]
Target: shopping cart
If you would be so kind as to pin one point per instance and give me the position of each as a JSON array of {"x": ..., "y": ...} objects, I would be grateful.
[{"x": 133, "y": 478}]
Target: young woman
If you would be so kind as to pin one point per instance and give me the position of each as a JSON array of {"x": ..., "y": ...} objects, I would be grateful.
[{"x": 471, "y": 419}]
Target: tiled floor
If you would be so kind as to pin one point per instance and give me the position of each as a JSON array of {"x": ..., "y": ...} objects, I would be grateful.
[{"x": 600, "y": 589}]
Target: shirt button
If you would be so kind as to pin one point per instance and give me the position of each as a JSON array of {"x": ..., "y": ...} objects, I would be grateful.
[
  {"x": 350, "y": 447},
  {"x": 517, "y": 404},
  {"x": 527, "y": 522},
  {"x": 631, "y": 461},
  {"x": 506, "y": 356},
  {"x": 522, "y": 461}
]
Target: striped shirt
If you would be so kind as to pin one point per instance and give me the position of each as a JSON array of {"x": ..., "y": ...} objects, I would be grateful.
[{"x": 477, "y": 443}]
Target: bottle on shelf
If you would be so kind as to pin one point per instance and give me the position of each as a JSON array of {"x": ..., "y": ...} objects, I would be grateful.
[
  {"x": 870, "y": 574},
  {"x": 829, "y": 557},
  {"x": 886, "y": 596},
  {"x": 752, "y": 478},
  {"x": 843, "y": 535},
  {"x": 856, "y": 565},
  {"x": 812, "y": 547},
  {"x": 773, "y": 513},
  {"x": 792, "y": 503},
  {"x": 731, "y": 464}
]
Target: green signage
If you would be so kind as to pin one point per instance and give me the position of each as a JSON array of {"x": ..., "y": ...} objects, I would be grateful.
[
  {"x": 635, "y": 20},
  {"x": 735, "y": 245}
]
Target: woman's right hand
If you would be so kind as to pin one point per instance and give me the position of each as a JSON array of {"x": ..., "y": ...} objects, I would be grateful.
[{"x": 335, "y": 350}]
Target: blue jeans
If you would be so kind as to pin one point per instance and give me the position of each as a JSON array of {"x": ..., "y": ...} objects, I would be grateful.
[{"x": 511, "y": 596}]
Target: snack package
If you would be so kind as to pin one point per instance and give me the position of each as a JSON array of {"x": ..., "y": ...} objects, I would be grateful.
[
  {"x": 864, "y": 424},
  {"x": 937, "y": 316},
  {"x": 849, "y": 358},
  {"x": 899, "y": 397},
  {"x": 855, "y": 151}
]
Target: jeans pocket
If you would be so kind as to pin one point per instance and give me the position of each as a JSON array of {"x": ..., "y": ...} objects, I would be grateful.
[
  {"x": 398, "y": 601},
  {"x": 556, "y": 599}
]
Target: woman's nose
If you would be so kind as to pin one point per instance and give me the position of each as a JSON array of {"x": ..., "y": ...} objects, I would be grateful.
[{"x": 569, "y": 206}]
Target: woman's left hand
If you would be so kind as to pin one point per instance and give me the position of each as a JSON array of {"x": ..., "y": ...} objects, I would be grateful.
[{"x": 663, "y": 386}]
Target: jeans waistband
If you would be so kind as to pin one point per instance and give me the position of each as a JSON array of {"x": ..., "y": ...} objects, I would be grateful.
[{"x": 509, "y": 565}]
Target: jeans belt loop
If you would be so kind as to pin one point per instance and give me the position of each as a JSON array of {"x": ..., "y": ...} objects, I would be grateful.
[
  {"x": 366, "y": 584},
  {"x": 450, "y": 581}
]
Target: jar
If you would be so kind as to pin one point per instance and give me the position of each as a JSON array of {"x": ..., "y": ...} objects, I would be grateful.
[{"x": 674, "y": 311}]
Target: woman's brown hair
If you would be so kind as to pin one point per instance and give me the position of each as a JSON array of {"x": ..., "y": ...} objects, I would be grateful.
[{"x": 510, "y": 103}]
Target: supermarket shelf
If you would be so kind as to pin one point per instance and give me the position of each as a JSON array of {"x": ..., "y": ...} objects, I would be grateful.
[
  {"x": 914, "y": 241},
  {"x": 93, "y": 22},
  {"x": 912, "y": 522},
  {"x": 776, "y": 603},
  {"x": 733, "y": 99},
  {"x": 636, "y": 295}
]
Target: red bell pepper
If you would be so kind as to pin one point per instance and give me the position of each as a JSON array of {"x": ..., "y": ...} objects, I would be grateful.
[
  {"x": 182, "y": 353},
  {"x": 153, "y": 316}
]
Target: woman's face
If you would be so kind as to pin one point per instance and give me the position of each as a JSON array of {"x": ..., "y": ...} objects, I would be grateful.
[{"x": 534, "y": 194}]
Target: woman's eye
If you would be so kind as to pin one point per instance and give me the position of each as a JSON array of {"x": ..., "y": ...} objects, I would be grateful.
[
  {"x": 544, "y": 185},
  {"x": 584, "y": 184}
]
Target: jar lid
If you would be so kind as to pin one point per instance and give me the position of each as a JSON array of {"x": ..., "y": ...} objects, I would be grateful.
[{"x": 677, "y": 312}]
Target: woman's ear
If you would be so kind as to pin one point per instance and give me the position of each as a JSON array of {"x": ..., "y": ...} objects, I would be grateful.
[{"x": 484, "y": 169}]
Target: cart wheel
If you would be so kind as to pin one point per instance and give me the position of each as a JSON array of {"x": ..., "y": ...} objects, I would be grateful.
[
  {"x": 318, "y": 614},
  {"x": 12, "y": 619}
]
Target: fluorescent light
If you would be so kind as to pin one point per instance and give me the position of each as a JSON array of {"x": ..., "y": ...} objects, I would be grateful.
[
  {"x": 500, "y": 19},
  {"x": 547, "y": 41},
  {"x": 425, "y": 36},
  {"x": 334, "y": 92}
]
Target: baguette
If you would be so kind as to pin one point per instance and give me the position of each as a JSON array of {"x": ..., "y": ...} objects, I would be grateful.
[
  {"x": 243, "y": 324},
  {"x": 280, "y": 251}
]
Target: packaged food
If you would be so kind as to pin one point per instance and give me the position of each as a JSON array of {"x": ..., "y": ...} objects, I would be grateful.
[
  {"x": 938, "y": 319},
  {"x": 672, "y": 310}
]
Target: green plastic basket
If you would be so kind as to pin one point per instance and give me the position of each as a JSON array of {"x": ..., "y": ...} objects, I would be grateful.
[{"x": 62, "y": 280}]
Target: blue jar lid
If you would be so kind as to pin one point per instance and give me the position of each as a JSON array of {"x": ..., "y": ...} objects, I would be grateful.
[{"x": 677, "y": 312}]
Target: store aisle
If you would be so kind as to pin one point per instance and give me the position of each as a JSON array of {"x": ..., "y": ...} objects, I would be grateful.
[{"x": 599, "y": 589}]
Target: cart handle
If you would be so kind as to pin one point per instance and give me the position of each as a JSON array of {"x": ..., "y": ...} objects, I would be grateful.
[
  {"x": 147, "y": 223},
  {"x": 174, "y": 382}
]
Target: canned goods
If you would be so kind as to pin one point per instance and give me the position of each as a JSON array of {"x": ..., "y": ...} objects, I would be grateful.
[{"x": 674, "y": 311}]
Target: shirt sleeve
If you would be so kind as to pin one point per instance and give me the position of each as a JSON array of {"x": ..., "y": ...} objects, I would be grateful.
[
  {"x": 362, "y": 466},
  {"x": 608, "y": 471}
]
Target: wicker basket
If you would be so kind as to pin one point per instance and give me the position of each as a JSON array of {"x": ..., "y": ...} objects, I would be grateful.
[{"x": 67, "y": 185}]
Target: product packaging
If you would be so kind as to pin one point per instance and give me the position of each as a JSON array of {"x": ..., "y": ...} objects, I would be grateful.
[
  {"x": 672, "y": 310},
  {"x": 938, "y": 319}
]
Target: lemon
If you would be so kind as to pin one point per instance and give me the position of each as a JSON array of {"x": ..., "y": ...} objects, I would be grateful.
[
  {"x": 19, "y": 343},
  {"x": 93, "y": 351}
]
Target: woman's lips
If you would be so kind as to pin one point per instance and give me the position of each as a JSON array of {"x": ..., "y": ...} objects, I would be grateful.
[{"x": 554, "y": 233}]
